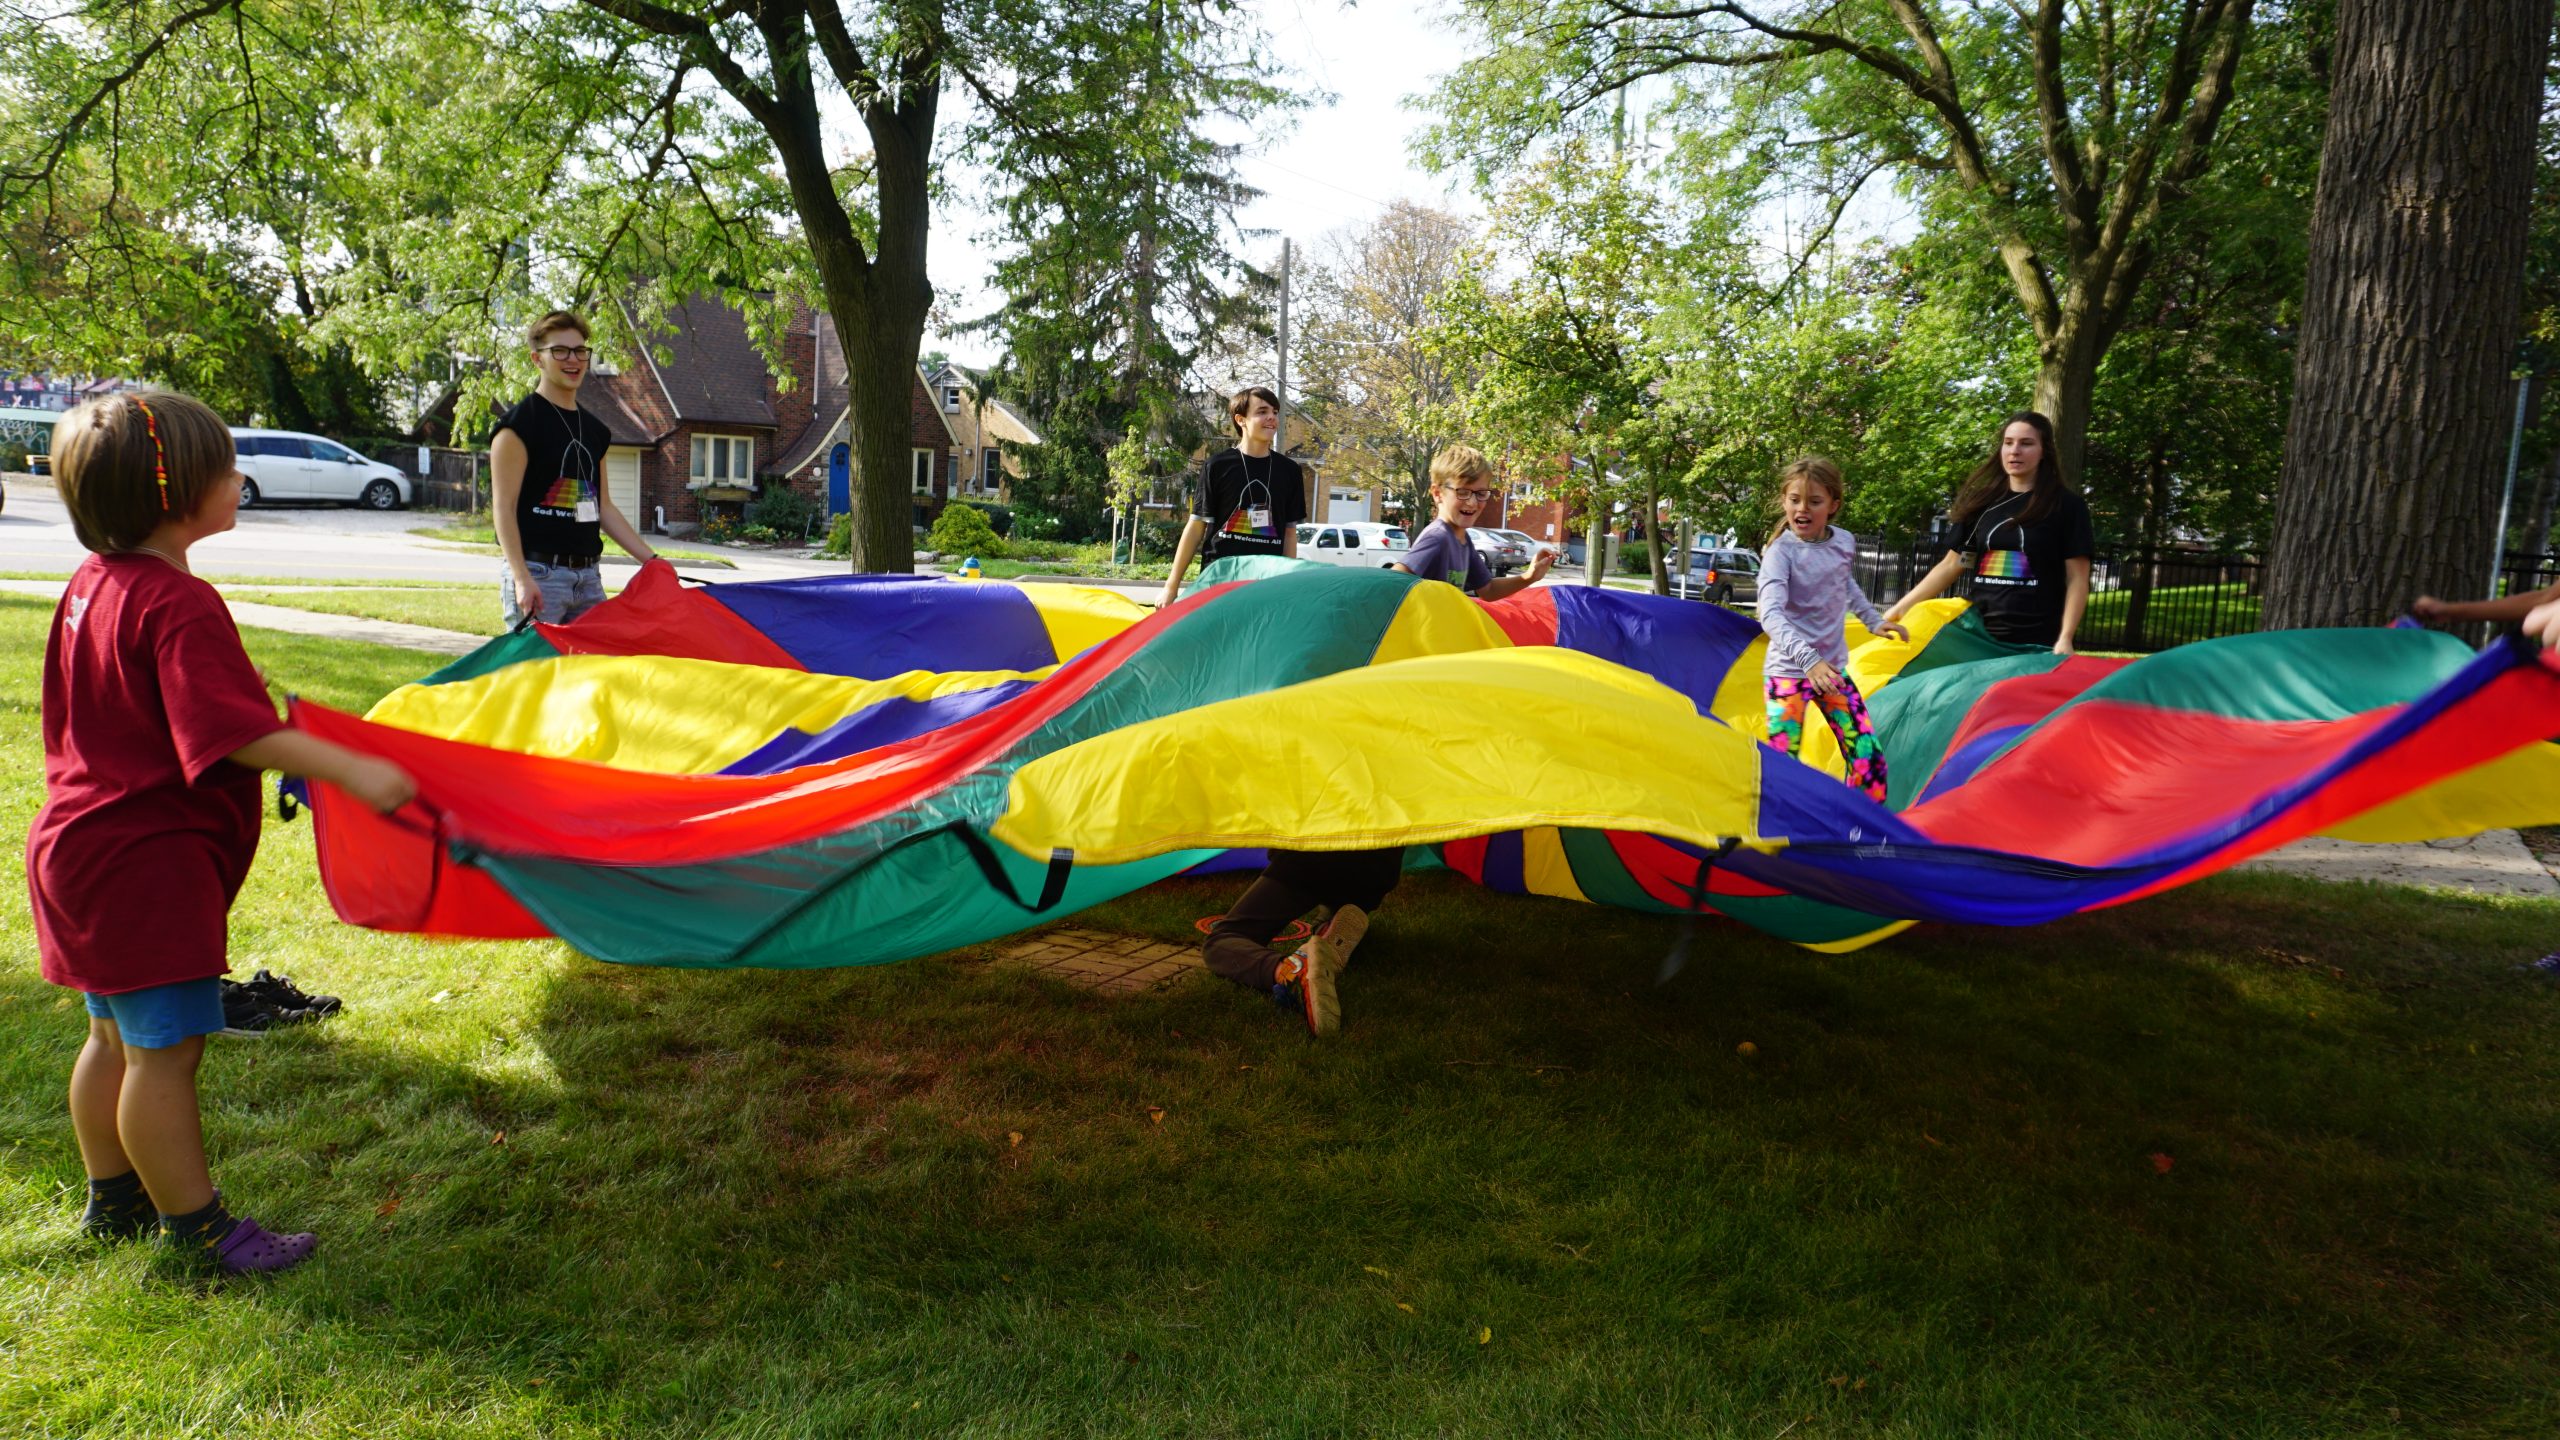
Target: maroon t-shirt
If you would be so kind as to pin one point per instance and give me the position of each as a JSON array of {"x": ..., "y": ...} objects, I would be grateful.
[{"x": 147, "y": 831}]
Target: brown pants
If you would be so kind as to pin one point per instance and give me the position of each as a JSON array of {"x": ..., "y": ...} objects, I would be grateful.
[{"x": 1293, "y": 883}]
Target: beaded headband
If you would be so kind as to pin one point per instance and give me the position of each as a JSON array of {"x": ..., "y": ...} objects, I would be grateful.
[{"x": 159, "y": 455}]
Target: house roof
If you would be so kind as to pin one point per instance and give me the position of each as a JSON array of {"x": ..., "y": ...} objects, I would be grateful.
[
  {"x": 711, "y": 371},
  {"x": 997, "y": 420},
  {"x": 826, "y": 399},
  {"x": 606, "y": 404}
]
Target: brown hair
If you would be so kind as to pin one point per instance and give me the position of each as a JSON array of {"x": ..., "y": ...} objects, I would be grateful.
[
  {"x": 1459, "y": 462},
  {"x": 558, "y": 320},
  {"x": 1989, "y": 481},
  {"x": 1813, "y": 470},
  {"x": 1242, "y": 404},
  {"x": 110, "y": 468}
]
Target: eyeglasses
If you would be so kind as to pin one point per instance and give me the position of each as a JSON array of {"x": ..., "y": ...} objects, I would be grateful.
[
  {"x": 565, "y": 352},
  {"x": 1477, "y": 493}
]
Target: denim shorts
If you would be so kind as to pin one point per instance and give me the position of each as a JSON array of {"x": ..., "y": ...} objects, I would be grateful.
[
  {"x": 163, "y": 1015},
  {"x": 567, "y": 593}
]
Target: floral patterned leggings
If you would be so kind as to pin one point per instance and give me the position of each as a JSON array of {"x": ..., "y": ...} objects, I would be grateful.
[{"x": 1847, "y": 713}]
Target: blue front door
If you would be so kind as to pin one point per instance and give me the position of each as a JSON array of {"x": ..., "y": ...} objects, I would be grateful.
[{"x": 840, "y": 480}]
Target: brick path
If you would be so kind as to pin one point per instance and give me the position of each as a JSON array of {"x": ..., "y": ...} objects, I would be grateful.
[{"x": 1101, "y": 961}]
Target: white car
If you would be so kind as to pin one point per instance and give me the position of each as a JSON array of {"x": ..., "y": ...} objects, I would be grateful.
[
  {"x": 1363, "y": 543},
  {"x": 289, "y": 465}
]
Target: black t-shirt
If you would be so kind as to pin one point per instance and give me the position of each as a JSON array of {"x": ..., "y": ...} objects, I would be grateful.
[
  {"x": 563, "y": 477},
  {"x": 1250, "y": 501},
  {"x": 2019, "y": 578}
]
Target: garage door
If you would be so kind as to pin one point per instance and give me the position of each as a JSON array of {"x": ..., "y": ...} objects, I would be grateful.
[
  {"x": 622, "y": 482},
  {"x": 1341, "y": 505}
]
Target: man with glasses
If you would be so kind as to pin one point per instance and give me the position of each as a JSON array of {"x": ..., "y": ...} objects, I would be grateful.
[
  {"x": 1461, "y": 486},
  {"x": 546, "y": 487}
]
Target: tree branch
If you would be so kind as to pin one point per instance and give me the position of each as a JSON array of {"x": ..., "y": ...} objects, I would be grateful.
[{"x": 109, "y": 87}]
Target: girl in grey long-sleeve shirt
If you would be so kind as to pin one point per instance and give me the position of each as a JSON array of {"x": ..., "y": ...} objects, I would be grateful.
[{"x": 1808, "y": 586}]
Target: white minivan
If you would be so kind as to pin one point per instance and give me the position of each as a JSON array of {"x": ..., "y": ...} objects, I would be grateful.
[
  {"x": 1364, "y": 543},
  {"x": 289, "y": 465}
]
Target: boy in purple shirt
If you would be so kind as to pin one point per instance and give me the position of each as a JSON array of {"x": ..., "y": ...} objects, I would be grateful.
[
  {"x": 1461, "y": 483},
  {"x": 1808, "y": 586},
  {"x": 1352, "y": 882}
]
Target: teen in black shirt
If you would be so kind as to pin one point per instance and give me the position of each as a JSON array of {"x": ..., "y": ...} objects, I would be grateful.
[
  {"x": 1251, "y": 499},
  {"x": 2025, "y": 540}
]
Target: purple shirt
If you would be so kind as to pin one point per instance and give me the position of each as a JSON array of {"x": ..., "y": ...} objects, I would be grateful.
[
  {"x": 1443, "y": 552},
  {"x": 1807, "y": 589}
]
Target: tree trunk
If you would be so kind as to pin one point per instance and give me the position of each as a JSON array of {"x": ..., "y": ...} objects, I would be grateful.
[
  {"x": 2145, "y": 571},
  {"x": 1653, "y": 536},
  {"x": 2065, "y": 381},
  {"x": 2396, "y": 445},
  {"x": 1595, "y": 544}
]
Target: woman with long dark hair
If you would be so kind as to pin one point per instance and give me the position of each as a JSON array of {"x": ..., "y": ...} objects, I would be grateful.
[{"x": 2025, "y": 539}]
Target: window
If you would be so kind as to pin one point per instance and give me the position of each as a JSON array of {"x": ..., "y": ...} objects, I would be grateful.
[
  {"x": 991, "y": 470},
  {"x": 1306, "y": 534},
  {"x": 1325, "y": 540},
  {"x": 723, "y": 460},
  {"x": 924, "y": 472},
  {"x": 951, "y": 399},
  {"x": 1350, "y": 539}
]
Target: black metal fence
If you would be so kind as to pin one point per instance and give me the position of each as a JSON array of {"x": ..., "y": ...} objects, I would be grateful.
[{"x": 2152, "y": 599}]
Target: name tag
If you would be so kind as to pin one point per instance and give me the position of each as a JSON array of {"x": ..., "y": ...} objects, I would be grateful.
[
  {"x": 587, "y": 510},
  {"x": 1258, "y": 516}
]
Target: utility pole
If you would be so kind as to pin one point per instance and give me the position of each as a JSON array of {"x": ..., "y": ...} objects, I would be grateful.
[{"x": 1280, "y": 441}]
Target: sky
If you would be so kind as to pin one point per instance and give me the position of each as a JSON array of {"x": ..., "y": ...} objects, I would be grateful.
[{"x": 1337, "y": 167}]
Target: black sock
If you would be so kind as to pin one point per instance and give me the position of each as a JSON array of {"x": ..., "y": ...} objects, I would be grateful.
[
  {"x": 119, "y": 1208},
  {"x": 202, "y": 1229}
]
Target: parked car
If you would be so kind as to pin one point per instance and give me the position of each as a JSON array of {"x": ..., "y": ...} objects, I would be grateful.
[
  {"x": 289, "y": 465},
  {"x": 1501, "y": 550},
  {"x": 1531, "y": 543},
  {"x": 1726, "y": 577},
  {"x": 1364, "y": 543}
]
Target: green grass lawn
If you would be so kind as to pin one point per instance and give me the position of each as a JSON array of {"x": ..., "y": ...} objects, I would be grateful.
[
  {"x": 2178, "y": 613},
  {"x": 472, "y": 609},
  {"x": 481, "y": 533},
  {"x": 2258, "y": 1158},
  {"x": 221, "y": 581}
]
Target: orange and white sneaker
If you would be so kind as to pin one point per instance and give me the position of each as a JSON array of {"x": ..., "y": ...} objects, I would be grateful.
[
  {"x": 1343, "y": 930},
  {"x": 1305, "y": 982}
]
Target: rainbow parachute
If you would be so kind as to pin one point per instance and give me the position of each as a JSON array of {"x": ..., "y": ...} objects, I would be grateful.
[{"x": 859, "y": 769}]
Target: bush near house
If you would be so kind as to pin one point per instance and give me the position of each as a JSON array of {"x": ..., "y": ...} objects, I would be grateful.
[
  {"x": 963, "y": 530},
  {"x": 785, "y": 511}
]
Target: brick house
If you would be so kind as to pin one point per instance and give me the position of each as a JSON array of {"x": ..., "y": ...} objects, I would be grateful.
[
  {"x": 714, "y": 423},
  {"x": 988, "y": 436}
]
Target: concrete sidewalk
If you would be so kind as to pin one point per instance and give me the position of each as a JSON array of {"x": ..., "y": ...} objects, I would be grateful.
[{"x": 251, "y": 615}]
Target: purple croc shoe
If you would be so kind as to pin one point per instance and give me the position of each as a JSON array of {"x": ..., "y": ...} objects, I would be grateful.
[{"x": 252, "y": 1248}]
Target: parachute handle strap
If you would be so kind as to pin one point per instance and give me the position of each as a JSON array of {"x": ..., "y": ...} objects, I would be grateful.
[
  {"x": 1053, "y": 887},
  {"x": 1696, "y": 894}
]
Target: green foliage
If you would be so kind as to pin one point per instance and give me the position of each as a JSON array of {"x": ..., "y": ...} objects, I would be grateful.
[
  {"x": 1124, "y": 265},
  {"x": 963, "y": 530},
  {"x": 839, "y": 542},
  {"x": 785, "y": 511},
  {"x": 1548, "y": 323}
]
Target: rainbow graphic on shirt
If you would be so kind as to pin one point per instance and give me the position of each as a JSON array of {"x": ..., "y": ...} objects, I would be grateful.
[
  {"x": 563, "y": 494},
  {"x": 1244, "y": 529},
  {"x": 2007, "y": 567}
]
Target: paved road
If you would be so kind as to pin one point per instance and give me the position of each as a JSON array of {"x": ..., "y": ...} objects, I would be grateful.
[{"x": 322, "y": 542}]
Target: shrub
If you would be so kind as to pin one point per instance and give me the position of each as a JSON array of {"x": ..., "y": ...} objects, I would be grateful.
[
  {"x": 783, "y": 510},
  {"x": 839, "y": 538},
  {"x": 962, "y": 530}
]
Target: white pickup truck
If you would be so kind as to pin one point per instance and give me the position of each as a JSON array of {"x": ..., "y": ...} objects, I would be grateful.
[{"x": 1365, "y": 543}]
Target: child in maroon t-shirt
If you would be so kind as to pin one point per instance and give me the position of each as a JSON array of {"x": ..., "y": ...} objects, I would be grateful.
[{"x": 155, "y": 728}]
